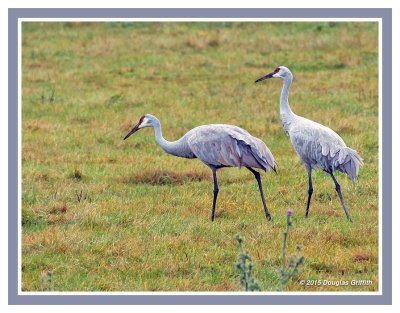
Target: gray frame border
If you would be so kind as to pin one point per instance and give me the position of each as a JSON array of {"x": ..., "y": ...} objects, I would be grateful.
[{"x": 386, "y": 262}]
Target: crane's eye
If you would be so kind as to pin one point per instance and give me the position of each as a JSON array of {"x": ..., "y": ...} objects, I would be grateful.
[{"x": 277, "y": 70}]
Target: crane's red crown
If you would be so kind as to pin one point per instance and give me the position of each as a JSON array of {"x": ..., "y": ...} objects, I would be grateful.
[
  {"x": 277, "y": 70},
  {"x": 141, "y": 119}
]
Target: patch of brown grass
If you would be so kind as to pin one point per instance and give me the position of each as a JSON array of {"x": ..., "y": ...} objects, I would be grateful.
[
  {"x": 321, "y": 267},
  {"x": 58, "y": 210},
  {"x": 162, "y": 178},
  {"x": 362, "y": 256},
  {"x": 213, "y": 43}
]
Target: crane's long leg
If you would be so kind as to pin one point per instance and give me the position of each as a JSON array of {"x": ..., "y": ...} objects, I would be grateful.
[
  {"x": 310, "y": 189},
  {"x": 257, "y": 175},
  {"x": 340, "y": 196},
  {"x": 214, "y": 170}
]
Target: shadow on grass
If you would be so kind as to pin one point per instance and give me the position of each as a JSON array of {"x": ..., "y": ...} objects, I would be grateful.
[{"x": 162, "y": 178}]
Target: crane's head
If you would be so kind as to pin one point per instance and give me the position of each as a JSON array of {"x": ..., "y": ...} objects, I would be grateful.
[
  {"x": 146, "y": 120},
  {"x": 280, "y": 72}
]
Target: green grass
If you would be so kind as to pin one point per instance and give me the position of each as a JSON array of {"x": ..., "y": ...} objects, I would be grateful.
[{"x": 101, "y": 213}]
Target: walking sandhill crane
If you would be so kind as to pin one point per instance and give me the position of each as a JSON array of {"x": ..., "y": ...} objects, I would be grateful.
[
  {"x": 217, "y": 146},
  {"x": 317, "y": 146}
]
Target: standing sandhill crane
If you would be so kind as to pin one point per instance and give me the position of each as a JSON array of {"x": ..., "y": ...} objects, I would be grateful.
[
  {"x": 217, "y": 146},
  {"x": 317, "y": 146}
]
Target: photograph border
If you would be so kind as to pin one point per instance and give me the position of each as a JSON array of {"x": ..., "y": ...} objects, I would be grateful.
[{"x": 218, "y": 298}]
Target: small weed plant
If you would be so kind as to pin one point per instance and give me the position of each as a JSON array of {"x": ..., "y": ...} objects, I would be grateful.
[
  {"x": 245, "y": 266},
  {"x": 295, "y": 261},
  {"x": 291, "y": 271}
]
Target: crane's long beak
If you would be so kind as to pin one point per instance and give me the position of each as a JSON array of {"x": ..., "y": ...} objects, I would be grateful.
[
  {"x": 270, "y": 75},
  {"x": 134, "y": 129}
]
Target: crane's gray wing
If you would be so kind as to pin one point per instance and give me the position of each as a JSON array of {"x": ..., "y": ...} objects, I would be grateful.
[
  {"x": 320, "y": 147},
  {"x": 258, "y": 148},
  {"x": 226, "y": 145}
]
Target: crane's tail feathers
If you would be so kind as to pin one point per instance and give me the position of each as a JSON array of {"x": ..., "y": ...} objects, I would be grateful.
[
  {"x": 263, "y": 164},
  {"x": 267, "y": 161},
  {"x": 351, "y": 164},
  {"x": 276, "y": 167}
]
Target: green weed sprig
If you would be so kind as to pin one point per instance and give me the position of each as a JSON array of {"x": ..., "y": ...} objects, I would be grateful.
[
  {"x": 286, "y": 273},
  {"x": 246, "y": 269}
]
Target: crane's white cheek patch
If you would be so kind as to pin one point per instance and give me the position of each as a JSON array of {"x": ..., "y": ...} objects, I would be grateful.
[{"x": 144, "y": 124}]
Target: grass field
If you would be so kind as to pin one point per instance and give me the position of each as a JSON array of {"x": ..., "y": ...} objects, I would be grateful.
[{"x": 103, "y": 214}]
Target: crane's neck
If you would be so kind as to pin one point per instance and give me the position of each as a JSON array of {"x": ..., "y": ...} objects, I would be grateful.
[
  {"x": 286, "y": 113},
  {"x": 284, "y": 105},
  {"x": 178, "y": 148}
]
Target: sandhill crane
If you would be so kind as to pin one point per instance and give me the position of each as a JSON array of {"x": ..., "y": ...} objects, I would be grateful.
[
  {"x": 217, "y": 146},
  {"x": 317, "y": 146}
]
